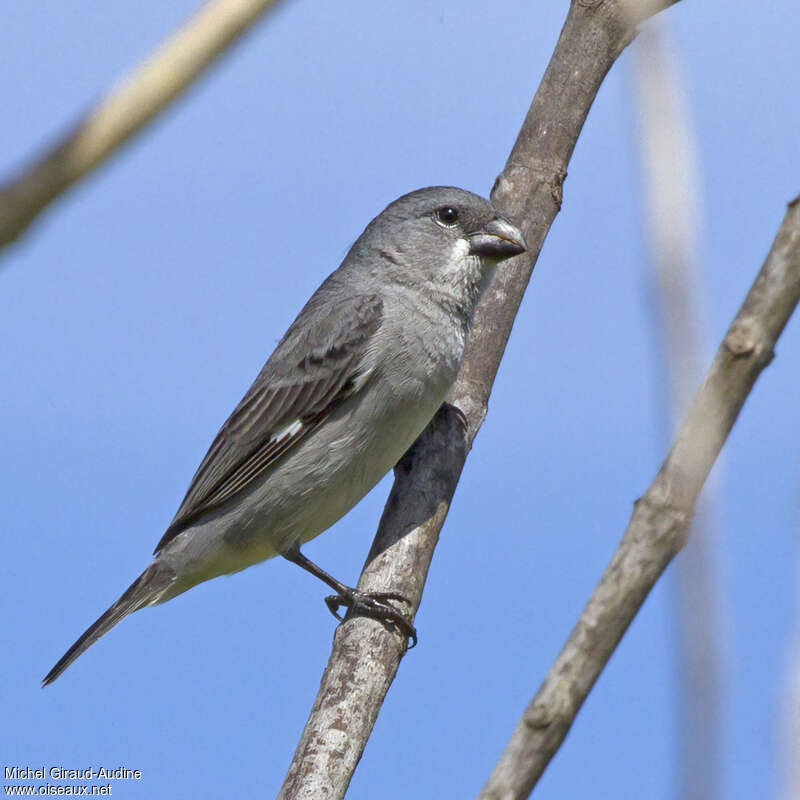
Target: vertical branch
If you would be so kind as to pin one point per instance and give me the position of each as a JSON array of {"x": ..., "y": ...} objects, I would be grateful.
[
  {"x": 365, "y": 656},
  {"x": 672, "y": 211},
  {"x": 658, "y": 527},
  {"x": 790, "y": 728}
]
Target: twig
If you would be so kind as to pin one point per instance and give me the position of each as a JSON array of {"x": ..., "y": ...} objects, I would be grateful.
[
  {"x": 671, "y": 209},
  {"x": 365, "y": 656},
  {"x": 790, "y": 716},
  {"x": 130, "y": 105},
  {"x": 657, "y": 529}
]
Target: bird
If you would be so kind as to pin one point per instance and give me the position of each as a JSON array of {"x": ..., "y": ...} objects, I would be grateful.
[{"x": 354, "y": 381}]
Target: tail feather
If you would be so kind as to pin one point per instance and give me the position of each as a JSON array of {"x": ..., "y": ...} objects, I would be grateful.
[{"x": 143, "y": 591}]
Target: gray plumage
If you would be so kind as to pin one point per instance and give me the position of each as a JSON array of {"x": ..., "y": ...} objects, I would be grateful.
[{"x": 350, "y": 386}]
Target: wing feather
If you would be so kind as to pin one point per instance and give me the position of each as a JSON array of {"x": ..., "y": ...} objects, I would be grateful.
[{"x": 314, "y": 368}]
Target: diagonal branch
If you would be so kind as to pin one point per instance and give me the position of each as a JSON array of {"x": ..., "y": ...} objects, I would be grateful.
[
  {"x": 658, "y": 527},
  {"x": 130, "y": 105},
  {"x": 365, "y": 656}
]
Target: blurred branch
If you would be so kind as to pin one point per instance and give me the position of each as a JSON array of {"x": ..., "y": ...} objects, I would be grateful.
[
  {"x": 658, "y": 527},
  {"x": 672, "y": 213},
  {"x": 365, "y": 656},
  {"x": 130, "y": 105},
  {"x": 700, "y": 648},
  {"x": 790, "y": 716}
]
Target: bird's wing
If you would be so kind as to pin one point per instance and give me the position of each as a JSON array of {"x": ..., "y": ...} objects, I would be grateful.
[{"x": 314, "y": 368}]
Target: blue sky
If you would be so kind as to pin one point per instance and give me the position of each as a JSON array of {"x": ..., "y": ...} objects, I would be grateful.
[{"x": 139, "y": 309}]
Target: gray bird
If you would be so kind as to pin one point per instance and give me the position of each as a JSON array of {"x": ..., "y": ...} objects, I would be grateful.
[{"x": 352, "y": 384}]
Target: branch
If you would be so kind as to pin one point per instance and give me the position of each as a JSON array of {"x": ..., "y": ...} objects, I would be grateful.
[
  {"x": 671, "y": 209},
  {"x": 365, "y": 656},
  {"x": 790, "y": 718},
  {"x": 658, "y": 527},
  {"x": 136, "y": 100}
]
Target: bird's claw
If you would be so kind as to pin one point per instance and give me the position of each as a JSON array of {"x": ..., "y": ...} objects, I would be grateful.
[{"x": 375, "y": 605}]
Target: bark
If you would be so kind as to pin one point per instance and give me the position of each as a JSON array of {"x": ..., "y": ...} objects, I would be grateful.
[
  {"x": 365, "y": 656},
  {"x": 658, "y": 527}
]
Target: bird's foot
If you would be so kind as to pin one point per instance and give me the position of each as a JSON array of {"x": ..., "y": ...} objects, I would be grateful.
[{"x": 375, "y": 605}]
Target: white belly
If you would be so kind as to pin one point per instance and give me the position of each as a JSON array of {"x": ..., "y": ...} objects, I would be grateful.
[
  {"x": 322, "y": 477},
  {"x": 310, "y": 489}
]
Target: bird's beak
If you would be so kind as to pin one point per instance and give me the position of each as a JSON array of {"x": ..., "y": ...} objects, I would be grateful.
[{"x": 498, "y": 240}]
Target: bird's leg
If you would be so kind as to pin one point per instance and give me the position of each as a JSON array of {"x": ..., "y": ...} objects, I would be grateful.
[{"x": 370, "y": 604}]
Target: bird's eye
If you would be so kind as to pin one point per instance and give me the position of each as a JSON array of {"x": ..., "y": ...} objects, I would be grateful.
[{"x": 446, "y": 216}]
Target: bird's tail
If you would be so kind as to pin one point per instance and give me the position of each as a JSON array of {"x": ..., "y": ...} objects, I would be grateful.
[{"x": 146, "y": 589}]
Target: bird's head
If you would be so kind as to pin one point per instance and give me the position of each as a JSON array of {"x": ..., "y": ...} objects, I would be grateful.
[{"x": 441, "y": 237}]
